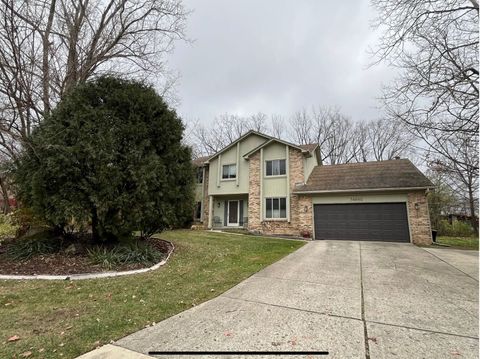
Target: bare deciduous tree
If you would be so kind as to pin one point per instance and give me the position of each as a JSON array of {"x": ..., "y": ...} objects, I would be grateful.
[
  {"x": 361, "y": 142},
  {"x": 340, "y": 139},
  {"x": 46, "y": 47},
  {"x": 257, "y": 122},
  {"x": 334, "y": 133},
  {"x": 277, "y": 126},
  {"x": 460, "y": 170},
  {"x": 226, "y": 128},
  {"x": 388, "y": 139},
  {"x": 302, "y": 131},
  {"x": 435, "y": 45}
]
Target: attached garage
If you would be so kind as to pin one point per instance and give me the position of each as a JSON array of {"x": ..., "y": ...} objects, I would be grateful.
[
  {"x": 369, "y": 201},
  {"x": 362, "y": 221}
]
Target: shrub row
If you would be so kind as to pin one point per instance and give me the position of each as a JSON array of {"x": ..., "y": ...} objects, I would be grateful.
[
  {"x": 126, "y": 254},
  {"x": 108, "y": 257},
  {"x": 456, "y": 229}
]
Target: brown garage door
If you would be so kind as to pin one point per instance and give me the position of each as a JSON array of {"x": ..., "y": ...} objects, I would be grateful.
[{"x": 362, "y": 222}]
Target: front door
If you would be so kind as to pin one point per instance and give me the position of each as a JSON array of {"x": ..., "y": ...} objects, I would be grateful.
[{"x": 233, "y": 213}]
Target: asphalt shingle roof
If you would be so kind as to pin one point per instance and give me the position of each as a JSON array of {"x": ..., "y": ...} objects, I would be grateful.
[{"x": 389, "y": 174}]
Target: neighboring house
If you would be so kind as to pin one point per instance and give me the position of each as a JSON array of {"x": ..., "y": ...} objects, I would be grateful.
[{"x": 274, "y": 187}]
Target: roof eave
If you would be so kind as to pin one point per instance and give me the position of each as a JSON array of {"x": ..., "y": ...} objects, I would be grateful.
[
  {"x": 251, "y": 152},
  {"x": 386, "y": 189},
  {"x": 235, "y": 142}
]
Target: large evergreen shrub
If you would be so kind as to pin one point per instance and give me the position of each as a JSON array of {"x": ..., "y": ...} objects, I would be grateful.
[{"x": 110, "y": 155}]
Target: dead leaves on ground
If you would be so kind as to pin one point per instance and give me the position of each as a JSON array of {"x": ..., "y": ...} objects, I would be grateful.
[{"x": 13, "y": 338}]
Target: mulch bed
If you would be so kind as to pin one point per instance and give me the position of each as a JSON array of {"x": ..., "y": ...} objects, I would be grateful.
[{"x": 62, "y": 263}]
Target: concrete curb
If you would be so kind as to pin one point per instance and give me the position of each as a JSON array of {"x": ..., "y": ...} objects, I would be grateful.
[{"x": 90, "y": 275}]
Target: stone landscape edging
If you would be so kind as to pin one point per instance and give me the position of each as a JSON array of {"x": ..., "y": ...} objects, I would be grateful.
[{"x": 81, "y": 276}]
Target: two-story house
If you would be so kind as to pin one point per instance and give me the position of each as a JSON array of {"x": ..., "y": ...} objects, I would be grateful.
[{"x": 270, "y": 186}]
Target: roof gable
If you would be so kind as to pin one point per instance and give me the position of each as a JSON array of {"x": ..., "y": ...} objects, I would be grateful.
[
  {"x": 302, "y": 148},
  {"x": 226, "y": 148},
  {"x": 306, "y": 149}
]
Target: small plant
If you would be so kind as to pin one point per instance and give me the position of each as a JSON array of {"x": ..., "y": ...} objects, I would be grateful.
[
  {"x": 124, "y": 254},
  {"x": 305, "y": 234},
  {"x": 23, "y": 249},
  {"x": 107, "y": 258}
]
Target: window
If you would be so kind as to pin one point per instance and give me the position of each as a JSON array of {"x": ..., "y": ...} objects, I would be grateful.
[
  {"x": 276, "y": 207},
  {"x": 198, "y": 210},
  {"x": 229, "y": 171},
  {"x": 275, "y": 168},
  {"x": 200, "y": 175}
]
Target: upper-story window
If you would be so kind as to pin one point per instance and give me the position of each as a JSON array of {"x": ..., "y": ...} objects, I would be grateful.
[
  {"x": 199, "y": 175},
  {"x": 275, "y": 168},
  {"x": 229, "y": 171}
]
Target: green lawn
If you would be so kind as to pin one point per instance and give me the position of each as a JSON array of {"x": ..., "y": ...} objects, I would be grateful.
[
  {"x": 68, "y": 318},
  {"x": 459, "y": 242}
]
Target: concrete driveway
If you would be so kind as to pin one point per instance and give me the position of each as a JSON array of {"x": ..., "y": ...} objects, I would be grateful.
[{"x": 353, "y": 299}]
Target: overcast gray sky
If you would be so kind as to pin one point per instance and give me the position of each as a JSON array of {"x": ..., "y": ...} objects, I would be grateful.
[{"x": 277, "y": 57}]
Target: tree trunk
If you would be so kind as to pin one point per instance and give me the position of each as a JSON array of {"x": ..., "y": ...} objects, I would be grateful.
[
  {"x": 95, "y": 235},
  {"x": 46, "y": 59},
  {"x": 473, "y": 218},
  {"x": 6, "y": 206}
]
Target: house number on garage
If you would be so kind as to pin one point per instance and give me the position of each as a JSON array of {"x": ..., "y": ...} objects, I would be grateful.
[{"x": 356, "y": 199}]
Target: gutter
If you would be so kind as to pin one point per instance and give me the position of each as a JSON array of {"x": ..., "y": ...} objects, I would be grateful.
[{"x": 364, "y": 190}]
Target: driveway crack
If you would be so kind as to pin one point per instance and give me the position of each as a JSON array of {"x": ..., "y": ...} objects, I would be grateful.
[
  {"x": 365, "y": 331},
  {"x": 451, "y": 265}
]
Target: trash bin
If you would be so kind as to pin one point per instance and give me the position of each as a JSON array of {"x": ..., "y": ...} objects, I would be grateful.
[{"x": 434, "y": 235}]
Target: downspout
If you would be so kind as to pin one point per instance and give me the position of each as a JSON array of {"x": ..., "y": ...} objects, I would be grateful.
[
  {"x": 210, "y": 211},
  {"x": 261, "y": 185},
  {"x": 287, "y": 168},
  {"x": 202, "y": 206},
  {"x": 219, "y": 170},
  {"x": 238, "y": 164}
]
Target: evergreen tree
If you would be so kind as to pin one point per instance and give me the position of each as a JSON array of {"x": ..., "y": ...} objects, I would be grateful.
[{"x": 110, "y": 154}]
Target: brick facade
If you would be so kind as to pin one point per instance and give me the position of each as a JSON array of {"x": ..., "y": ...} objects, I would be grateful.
[
  {"x": 301, "y": 207},
  {"x": 418, "y": 218},
  {"x": 299, "y": 219},
  {"x": 254, "y": 223},
  {"x": 305, "y": 215}
]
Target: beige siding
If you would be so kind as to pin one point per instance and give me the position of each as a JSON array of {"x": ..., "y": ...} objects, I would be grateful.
[
  {"x": 274, "y": 151},
  {"x": 274, "y": 186},
  {"x": 218, "y": 186},
  {"x": 198, "y": 192},
  {"x": 360, "y": 198},
  {"x": 309, "y": 164}
]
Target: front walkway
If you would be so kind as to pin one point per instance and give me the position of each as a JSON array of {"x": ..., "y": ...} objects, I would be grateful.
[{"x": 353, "y": 299}]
